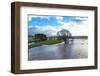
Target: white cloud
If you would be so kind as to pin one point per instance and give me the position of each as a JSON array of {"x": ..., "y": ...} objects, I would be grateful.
[
  {"x": 59, "y": 18},
  {"x": 30, "y": 17},
  {"x": 77, "y": 29},
  {"x": 48, "y": 30},
  {"x": 81, "y": 18}
]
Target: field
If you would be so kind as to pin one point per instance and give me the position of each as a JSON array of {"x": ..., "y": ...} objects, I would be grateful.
[{"x": 32, "y": 42}]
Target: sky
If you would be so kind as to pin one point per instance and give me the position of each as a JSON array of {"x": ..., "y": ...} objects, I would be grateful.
[{"x": 50, "y": 25}]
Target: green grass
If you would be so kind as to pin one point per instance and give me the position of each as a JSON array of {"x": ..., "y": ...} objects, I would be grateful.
[
  {"x": 50, "y": 42},
  {"x": 34, "y": 45},
  {"x": 47, "y": 42},
  {"x": 30, "y": 39}
]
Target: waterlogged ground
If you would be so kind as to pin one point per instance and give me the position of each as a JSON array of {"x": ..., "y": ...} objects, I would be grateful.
[{"x": 75, "y": 50}]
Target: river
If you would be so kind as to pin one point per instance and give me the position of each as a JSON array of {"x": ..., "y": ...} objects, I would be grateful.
[{"x": 77, "y": 49}]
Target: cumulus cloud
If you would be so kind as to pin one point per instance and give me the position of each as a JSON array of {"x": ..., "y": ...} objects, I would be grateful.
[
  {"x": 78, "y": 26},
  {"x": 76, "y": 29},
  {"x": 48, "y": 30}
]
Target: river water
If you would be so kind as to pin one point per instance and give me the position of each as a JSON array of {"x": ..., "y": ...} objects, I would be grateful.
[{"x": 77, "y": 49}]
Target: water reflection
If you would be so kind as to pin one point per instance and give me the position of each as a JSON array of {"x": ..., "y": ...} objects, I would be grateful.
[{"x": 77, "y": 49}]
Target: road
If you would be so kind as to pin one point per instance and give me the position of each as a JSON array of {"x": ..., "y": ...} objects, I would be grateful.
[{"x": 75, "y": 50}]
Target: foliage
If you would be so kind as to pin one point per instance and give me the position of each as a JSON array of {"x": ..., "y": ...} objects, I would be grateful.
[
  {"x": 40, "y": 37},
  {"x": 64, "y": 34}
]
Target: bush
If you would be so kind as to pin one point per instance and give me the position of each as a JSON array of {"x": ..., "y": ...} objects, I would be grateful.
[{"x": 40, "y": 37}]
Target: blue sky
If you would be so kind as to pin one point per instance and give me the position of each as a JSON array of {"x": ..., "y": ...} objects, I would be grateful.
[{"x": 50, "y": 25}]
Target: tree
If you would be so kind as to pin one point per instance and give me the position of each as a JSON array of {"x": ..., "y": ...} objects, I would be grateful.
[
  {"x": 64, "y": 34},
  {"x": 40, "y": 37}
]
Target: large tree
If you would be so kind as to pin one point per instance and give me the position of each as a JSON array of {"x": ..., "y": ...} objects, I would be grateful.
[{"x": 64, "y": 35}]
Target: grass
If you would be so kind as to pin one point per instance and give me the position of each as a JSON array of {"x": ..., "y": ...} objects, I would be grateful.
[
  {"x": 47, "y": 42},
  {"x": 50, "y": 42},
  {"x": 30, "y": 39},
  {"x": 34, "y": 45}
]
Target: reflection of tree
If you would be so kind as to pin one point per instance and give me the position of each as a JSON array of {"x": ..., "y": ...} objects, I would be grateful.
[{"x": 65, "y": 35}]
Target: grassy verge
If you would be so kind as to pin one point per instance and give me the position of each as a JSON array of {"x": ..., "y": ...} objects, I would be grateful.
[
  {"x": 34, "y": 45},
  {"x": 30, "y": 39},
  {"x": 47, "y": 42},
  {"x": 50, "y": 42}
]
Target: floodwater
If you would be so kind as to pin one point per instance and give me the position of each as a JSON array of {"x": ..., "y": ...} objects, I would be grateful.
[{"x": 74, "y": 50}]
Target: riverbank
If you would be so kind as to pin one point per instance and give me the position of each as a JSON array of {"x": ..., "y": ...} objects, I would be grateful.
[{"x": 46, "y": 42}]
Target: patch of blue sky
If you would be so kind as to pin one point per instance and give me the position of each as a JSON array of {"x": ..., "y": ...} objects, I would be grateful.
[
  {"x": 53, "y": 21},
  {"x": 50, "y": 25},
  {"x": 38, "y": 21},
  {"x": 76, "y": 19}
]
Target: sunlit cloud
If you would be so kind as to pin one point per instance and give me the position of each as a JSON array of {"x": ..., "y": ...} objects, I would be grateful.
[{"x": 50, "y": 25}]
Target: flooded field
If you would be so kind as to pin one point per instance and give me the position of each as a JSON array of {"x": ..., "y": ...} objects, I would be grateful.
[{"x": 75, "y": 50}]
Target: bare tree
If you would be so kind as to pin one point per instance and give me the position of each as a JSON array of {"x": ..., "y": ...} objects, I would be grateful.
[{"x": 65, "y": 35}]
